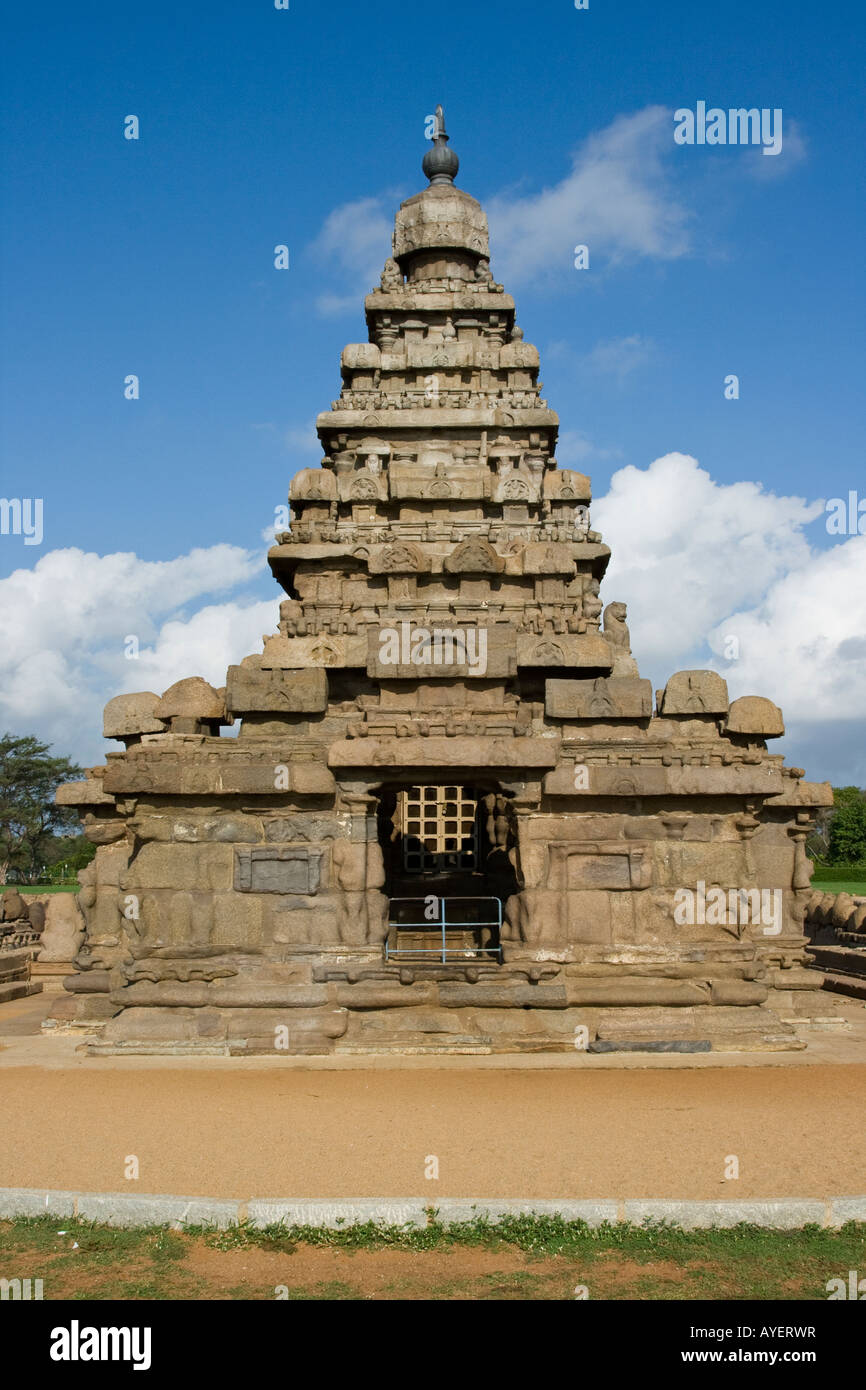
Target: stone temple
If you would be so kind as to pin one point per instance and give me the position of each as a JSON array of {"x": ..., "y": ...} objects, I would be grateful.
[{"x": 454, "y": 817}]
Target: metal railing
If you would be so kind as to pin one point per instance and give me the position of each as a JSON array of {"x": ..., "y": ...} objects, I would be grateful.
[{"x": 443, "y": 925}]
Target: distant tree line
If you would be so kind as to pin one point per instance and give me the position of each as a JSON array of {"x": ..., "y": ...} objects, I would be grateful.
[
  {"x": 839, "y": 837},
  {"x": 38, "y": 840}
]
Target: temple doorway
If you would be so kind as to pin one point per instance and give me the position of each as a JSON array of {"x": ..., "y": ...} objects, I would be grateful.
[{"x": 448, "y": 869}]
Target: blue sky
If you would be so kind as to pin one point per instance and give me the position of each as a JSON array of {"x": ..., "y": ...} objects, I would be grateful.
[{"x": 305, "y": 127}]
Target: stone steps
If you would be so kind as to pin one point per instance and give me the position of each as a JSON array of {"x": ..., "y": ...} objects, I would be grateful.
[
  {"x": 852, "y": 985},
  {"x": 843, "y": 968},
  {"x": 15, "y": 981}
]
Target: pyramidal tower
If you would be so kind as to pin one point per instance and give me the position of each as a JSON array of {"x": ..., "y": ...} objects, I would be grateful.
[{"x": 454, "y": 817}]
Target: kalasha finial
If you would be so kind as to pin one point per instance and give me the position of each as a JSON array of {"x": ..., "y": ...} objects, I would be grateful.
[{"x": 440, "y": 164}]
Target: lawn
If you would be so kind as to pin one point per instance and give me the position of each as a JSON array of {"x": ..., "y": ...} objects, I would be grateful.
[
  {"x": 37, "y": 892},
  {"x": 517, "y": 1259},
  {"x": 840, "y": 885}
]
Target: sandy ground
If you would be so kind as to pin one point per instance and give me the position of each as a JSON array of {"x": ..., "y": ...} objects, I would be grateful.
[{"x": 227, "y": 1128}]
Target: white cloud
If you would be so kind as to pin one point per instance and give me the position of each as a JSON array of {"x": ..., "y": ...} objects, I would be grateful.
[
  {"x": 65, "y": 625},
  {"x": 618, "y": 200},
  {"x": 573, "y": 449},
  {"x": 622, "y": 198},
  {"x": 619, "y": 356},
  {"x": 356, "y": 237},
  {"x": 699, "y": 562},
  {"x": 793, "y": 152}
]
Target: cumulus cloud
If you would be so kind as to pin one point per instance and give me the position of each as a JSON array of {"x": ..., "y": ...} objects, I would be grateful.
[
  {"x": 66, "y": 624},
  {"x": 574, "y": 449},
  {"x": 356, "y": 239},
  {"x": 716, "y": 575},
  {"x": 724, "y": 577},
  {"x": 618, "y": 199}
]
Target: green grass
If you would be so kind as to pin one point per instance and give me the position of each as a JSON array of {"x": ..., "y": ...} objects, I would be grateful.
[
  {"x": 37, "y": 890},
  {"x": 553, "y": 1257},
  {"x": 840, "y": 885}
]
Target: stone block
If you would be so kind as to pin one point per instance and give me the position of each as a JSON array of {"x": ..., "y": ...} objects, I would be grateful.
[
  {"x": 753, "y": 715},
  {"x": 739, "y": 992},
  {"x": 634, "y": 992},
  {"x": 36, "y": 913},
  {"x": 277, "y": 691},
  {"x": 303, "y": 653},
  {"x": 124, "y": 1209},
  {"x": 418, "y": 651},
  {"x": 564, "y": 484},
  {"x": 127, "y": 715},
  {"x": 285, "y": 871},
  {"x": 502, "y": 996},
  {"x": 653, "y": 779},
  {"x": 554, "y": 649},
  {"x": 784, "y": 1214},
  {"x": 443, "y": 752},
  {"x": 183, "y": 867},
  {"x": 300, "y": 827},
  {"x": 64, "y": 928},
  {"x": 35, "y": 1201},
  {"x": 339, "y": 1213},
  {"x": 695, "y": 692},
  {"x": 192, "y": 698},
  {"x": 88, "y": 793},
  {"x": 373, "y": 995},
  {"x": 238, "y": 920},
  {"x": 803, "y": 794},
  {"x": 12, "y": 906},
  {"x": 599, "y": 699}
]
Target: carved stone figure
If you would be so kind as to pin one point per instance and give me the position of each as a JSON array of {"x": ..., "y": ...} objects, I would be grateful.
[
  {"x": 392, "y": 276},
  {"x": 615, "y": 630}
]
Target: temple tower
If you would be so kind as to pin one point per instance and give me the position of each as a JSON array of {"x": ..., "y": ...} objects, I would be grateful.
[{"x": 454, "y": 817}]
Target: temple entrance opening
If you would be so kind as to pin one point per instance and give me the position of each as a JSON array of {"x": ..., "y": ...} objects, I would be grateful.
[{"x": 449, "y": 870}]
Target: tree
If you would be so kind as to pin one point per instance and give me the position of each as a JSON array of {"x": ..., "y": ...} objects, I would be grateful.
[
  {"x": 29, "y": 777},
  {"x": 848, "y": 826},
  {"x": 63, "y": 855}
]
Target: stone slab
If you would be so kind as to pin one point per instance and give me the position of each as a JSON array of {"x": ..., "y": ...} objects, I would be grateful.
[
  {"x": 451, "y": 1210},
  {"x": 125, "y": 1209},
  {"x": 600, "y": 699},
  {"x": 653, "y": 779},
  {"x": 35, "y": 1201},
  {"x": 843, "y": 1209},
  {"x": 340, "y": 1212},
  {"x": 680, "y": 1045},
  {"x": 443, "y": 752},
  {"x": 784, "y": 1214},
  {"x": 301, "y": 653},
  {"x": 276, "y": 691},
  {"x": 589, "y": 650},
  {"x": 695, "y": 693},
  {"x": 122, "y": 1209}
]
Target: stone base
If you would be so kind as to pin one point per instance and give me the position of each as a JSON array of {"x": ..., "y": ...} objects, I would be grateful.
[
  {"x": 51, "y": 974},
  {"x": 15, "y": 976},
  {"x": 79, "y": 1011},
  {"x": 373, "y": 1008}
]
